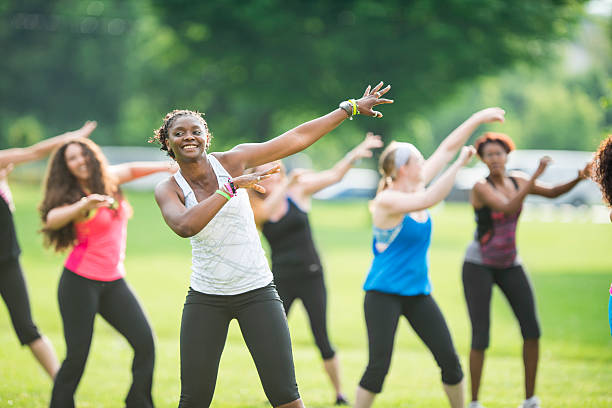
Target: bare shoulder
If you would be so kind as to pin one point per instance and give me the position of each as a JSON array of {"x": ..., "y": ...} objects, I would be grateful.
[
  {"x": 229, "y": 162},
  {"x": 167, "y": 188},
  {"x": 519, "y": 176}
]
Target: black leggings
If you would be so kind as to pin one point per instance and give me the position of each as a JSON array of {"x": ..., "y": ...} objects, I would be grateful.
[
  {"x": 478, "y": 283},
  {"x": 80, "y": 299},
  {"x": 311, "y": 290},
  {"x": 263, "y": 325},
  {"x": 15, "y": 294},
  {"x": 382, "y": 312}
]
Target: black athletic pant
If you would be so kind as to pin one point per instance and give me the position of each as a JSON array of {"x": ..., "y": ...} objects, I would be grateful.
[
  {"x": 15, "y": 295},
  {"x": 80, "y": 299},
  {"x": 478, "y": 283},
  {"x": 382, "y": 312},
  {"x": 263, "y": 325},
  {"x": 311, "y": 291}
]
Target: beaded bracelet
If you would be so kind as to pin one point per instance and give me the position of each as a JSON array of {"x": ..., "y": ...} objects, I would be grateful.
[
  {"x": 232, "y": 186},
  {"x": 229, "y": 190},
  {"x": 224, "y": 194}
]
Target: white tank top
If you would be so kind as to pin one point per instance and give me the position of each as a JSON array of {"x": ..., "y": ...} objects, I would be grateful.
[{"x": 227, "y": 256}]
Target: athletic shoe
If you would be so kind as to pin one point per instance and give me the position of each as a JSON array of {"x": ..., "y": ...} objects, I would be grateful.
[
  {"x": 340, "y": 400},
  {"x": 475, "y": 404},
  {"x": 533, "y": 402}
]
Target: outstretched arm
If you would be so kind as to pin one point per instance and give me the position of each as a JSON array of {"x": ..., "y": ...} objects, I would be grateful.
[
  {"x": 398, "y": 202},
  {"x": 545, "y": 190},
  {"x": 458, "y": 137},
  {"x": 297, "y": 139},
  {"x": 310, "y": 183},
  {"x": 126, "y": 172},
  {"x": 41, "y": 149}
]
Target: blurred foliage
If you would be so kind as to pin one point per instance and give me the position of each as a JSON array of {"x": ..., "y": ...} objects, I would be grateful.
[
  {"x": 261, "y": 67},
  {"x": 24, "y": 131}
]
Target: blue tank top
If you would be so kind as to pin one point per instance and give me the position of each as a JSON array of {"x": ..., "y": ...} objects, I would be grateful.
[{"x": 402, "y": 268}]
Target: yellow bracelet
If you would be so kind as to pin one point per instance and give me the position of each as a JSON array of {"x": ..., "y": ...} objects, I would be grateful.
[
  {"x": 224, "y": 194},
  {"x": 355, "y": 108}
]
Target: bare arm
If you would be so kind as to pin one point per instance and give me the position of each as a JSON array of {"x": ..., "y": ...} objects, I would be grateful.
[
  {"x": 126, "y": 172},
  {"x": 41, "y": 149},
  {"x": 545, "y": 190},
  {"x": 60, "y": 216},
  {"x": 397, "y": 202},
  {"x": 263, "y": 208},
  {"x": 485, "y": 195},
  {"x": 310, "y": 183},
  {"x": 297, "y": 139},
  {"x": 187, "y": 222},
  {"x": 458, "y": 137}
]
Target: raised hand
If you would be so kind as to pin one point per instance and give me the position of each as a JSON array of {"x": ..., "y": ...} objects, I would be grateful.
[
  {"x": 94, "y": 201},
  {"x": 364, "y": 149},
  {"x": 583, "y": 174},
  {"x": 372, "y": 97},
  {"x": 489, "y": 115},
  {"x": 466, "y": 154},
  {"x": 251, "y": 180},
  {"x": 85, "y": 130},
  {"x": 544, "y": 162}
]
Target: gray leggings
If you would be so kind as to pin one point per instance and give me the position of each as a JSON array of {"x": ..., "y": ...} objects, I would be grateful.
[
  {"x": 478, "y": 283},
  {"x": 264, "y": 327}
]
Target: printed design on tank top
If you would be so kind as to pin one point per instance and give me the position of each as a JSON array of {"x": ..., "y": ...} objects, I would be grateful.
[
  {"x": 227, "y": 256},
  {"x": 496, "y": 233}
]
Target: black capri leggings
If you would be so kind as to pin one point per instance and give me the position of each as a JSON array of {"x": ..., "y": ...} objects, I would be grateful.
[
  {"x": 80, "y": 299},
  {"x": 311, "y": 291},
  {"x": 382, "y": 312},
  {"x": 478, "y": 283},
  {"x": 263, "y": 325},
  {"x": 15, "y": 295}
]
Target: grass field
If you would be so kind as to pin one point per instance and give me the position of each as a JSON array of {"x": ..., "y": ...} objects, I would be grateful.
[{"x": 569, "y": 263}]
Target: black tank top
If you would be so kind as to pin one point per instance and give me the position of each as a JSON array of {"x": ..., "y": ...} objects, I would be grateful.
[
  {"x": 293, "y": 250},
  {"x": 9, "y": 247}
]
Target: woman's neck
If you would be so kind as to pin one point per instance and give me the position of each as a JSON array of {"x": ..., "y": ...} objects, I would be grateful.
[
  {"x": 405, "y": 186},
  {"x": 497, "y": 177},
  {"x": 198, "y": 172}
]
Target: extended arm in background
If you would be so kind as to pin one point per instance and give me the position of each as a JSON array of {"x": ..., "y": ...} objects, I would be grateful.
[
  {"x": 309, "y": 183},
  {"x": 398, "y": 202},
  {"x": 299, "y": 138},
  {"x": 458, "y": 137},
  {"x": 126, "y": 172},
  {"x": 19, "y": 155},
  {"x": 546, "y": 190}
]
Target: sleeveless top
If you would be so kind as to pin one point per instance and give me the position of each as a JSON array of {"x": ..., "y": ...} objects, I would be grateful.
[
  {"x": 495, "y": 237},
  {"x": 402, "y": 268},
  {"x": 293, "y": 250},
  {"x": 227, "y": 256},
  {"x": 9, "y": 246},
  {"x": 100, "y": 248}
]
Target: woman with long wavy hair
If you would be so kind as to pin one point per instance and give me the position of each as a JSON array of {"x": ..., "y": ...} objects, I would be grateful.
[
  {"x": 12, "y": 281},
  {"x": 84, "y": 210}
]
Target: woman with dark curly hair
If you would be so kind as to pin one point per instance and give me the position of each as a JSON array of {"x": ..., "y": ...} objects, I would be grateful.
[
  {"x": 84, "y": 210},
  {"x": 12, "y": 281},
  {"x": 207, "y": 201},
  {"x": 492, "y": 257},
  {"x": 602, "y": 174}
]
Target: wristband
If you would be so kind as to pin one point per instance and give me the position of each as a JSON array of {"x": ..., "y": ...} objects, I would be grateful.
[
  {"x": 228, "y": 189},
  {"x": 224, "y": 194},
  {"x": 355, "y": 107},
  {"x": 232, "y": 186}
]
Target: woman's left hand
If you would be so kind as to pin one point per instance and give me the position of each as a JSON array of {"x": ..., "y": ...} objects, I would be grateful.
[
  {"x": 586, "y": 172},
  {"x": 364, "y": 149},
  {"x": 372, "y": 97},
  {"x": 251, "y": 180}
]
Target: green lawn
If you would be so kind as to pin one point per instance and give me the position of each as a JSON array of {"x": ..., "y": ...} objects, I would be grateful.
[{"x": 569, "y": 264}]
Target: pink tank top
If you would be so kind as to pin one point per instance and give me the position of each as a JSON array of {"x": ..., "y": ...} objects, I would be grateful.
[{"x": 100, "y": 248}]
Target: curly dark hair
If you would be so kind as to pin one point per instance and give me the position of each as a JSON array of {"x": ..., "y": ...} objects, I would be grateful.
[
  {"x": 493, "y": 137},
  {"x": 160, "y": 135},
  {"x": 61, "y": 187},
  {"x": 602, "y": 168}
]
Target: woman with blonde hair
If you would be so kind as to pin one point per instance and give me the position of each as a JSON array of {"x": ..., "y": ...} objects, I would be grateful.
[{"x": 398, "y": 281}]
